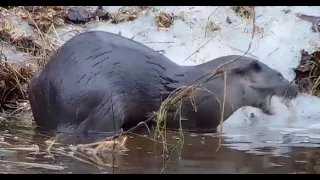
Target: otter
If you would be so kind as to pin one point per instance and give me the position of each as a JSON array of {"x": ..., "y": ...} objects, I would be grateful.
[{"x": 102, "y": 82}]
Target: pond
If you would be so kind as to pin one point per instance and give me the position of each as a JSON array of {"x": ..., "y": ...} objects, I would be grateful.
[{"x": 24, "y": 150}]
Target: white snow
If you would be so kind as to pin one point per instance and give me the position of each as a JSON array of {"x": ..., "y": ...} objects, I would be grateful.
[{"x": 278, "y": 45}]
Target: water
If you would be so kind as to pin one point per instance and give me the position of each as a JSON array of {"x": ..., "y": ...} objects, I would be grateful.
[{"x": 145, "y": 156}]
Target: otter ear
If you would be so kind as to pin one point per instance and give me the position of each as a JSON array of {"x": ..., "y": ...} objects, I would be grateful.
[{"x": 254, "y": 65}]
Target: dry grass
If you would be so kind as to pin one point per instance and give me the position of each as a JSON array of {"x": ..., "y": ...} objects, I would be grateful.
[
  {"x": 213, "y": 27},
  {"x": 164, "y": 20},
  {"x": 315, "y": 73},
  {"x": 14, "y": 79},
  {"x": 124, "y": 15},
  {"x": 15, "y": 75},
  {"x": 308, "y": 73},
  {"x": 243, "y": 11},
  {"x": 43, "y": 18}
]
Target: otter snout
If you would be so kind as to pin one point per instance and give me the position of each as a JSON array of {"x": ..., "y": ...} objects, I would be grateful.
[{"x": 288, "y": 91}]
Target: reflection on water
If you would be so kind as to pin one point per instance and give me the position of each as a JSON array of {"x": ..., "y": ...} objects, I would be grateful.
[{"x": 145, "y": 156}]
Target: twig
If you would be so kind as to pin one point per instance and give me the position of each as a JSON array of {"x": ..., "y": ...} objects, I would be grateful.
[
  {"x": 79, "y": 159},
  {"x": 141, "y": 123},
  {"x": 199, "y": 48},
  {"x": 223, "y": 107},
  {"x": 273, "y": 51},
  {"x": 233, "y": 48},
  {"x": 114, "y": 129},
  {"x": 158, "y": 42},
  {"x": 37, "y": 165},
  {"x": 205, "y": 34},
  {"x": 51, "y": 144},
  {"x": 35, "y": 24}
]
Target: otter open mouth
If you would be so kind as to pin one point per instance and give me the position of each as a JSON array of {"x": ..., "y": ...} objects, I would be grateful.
[
  {"x": 287, "y": 93},
  {"x": 267, "y": 107}
]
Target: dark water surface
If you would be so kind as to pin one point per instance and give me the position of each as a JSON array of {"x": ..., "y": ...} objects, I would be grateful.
[{"x": 145, "y": 156}]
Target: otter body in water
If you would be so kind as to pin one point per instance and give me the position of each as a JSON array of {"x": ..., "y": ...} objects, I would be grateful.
[{"x": 103, "y": 82}]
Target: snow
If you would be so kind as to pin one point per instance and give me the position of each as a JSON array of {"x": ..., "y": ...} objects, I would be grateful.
[{"x": 279, "y": 43}]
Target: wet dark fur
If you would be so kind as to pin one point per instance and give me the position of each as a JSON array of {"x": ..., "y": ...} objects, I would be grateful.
[{"x": 102, "y": 82}]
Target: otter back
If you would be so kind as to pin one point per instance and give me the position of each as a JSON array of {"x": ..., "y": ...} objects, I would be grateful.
[{"x": 98, "y": 81}]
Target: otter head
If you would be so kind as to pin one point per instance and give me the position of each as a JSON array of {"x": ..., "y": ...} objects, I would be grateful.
[{"x": 259, "y": 83}]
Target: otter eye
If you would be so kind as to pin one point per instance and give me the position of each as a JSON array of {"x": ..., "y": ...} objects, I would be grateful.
[
  {"x": 255, "y": 66},
  {"x": 238, "y": 71}
]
